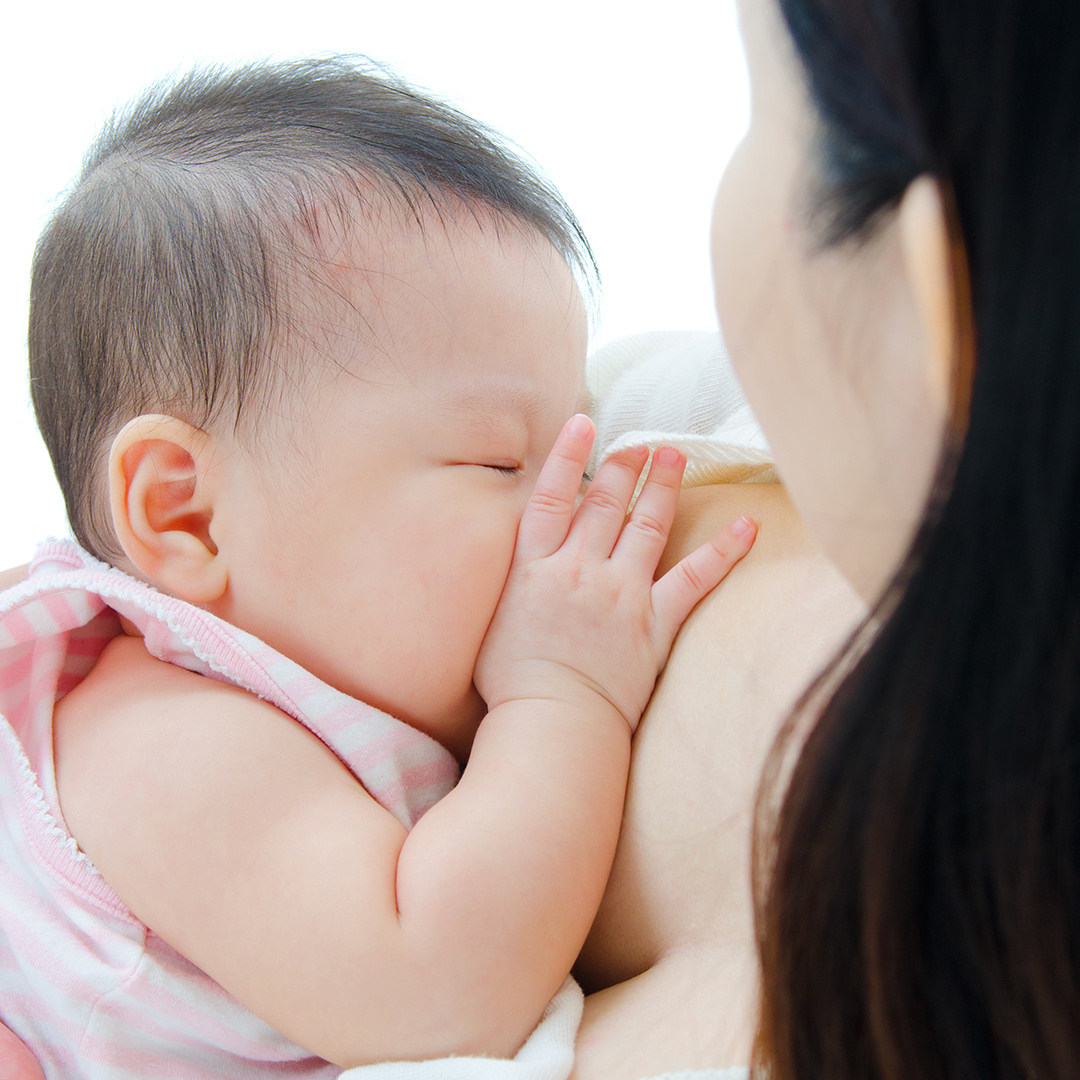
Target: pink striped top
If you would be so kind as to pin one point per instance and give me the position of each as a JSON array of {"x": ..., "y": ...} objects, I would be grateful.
[{"x": 87, "y": 986}]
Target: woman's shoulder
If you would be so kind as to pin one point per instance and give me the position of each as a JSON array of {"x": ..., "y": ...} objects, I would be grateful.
[{"x": 704, "y": 510}]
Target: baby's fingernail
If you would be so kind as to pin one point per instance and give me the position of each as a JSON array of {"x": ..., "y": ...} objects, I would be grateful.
[
  {"x": 667, "y": 455},
  {"x": 579, "y": 426},
  {"x": 741, "y": 526}
]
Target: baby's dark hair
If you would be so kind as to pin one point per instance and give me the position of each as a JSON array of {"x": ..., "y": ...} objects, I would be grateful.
[{"x": 158, "y": 284}]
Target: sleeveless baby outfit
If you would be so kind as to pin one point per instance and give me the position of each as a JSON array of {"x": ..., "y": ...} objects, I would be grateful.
[{"x": 83, "y": 982}]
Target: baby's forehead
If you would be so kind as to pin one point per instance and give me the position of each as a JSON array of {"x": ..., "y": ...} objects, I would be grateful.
[
  {"x": 501, "y": 396},
  {"x": 450, "y": 287},
  {"x": 387, "y": 236}
]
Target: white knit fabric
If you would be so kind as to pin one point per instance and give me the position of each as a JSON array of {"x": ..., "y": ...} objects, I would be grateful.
[{"x": 677, "y": 388}]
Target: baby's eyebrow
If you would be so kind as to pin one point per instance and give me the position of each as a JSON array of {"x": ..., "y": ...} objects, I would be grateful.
[
  {"x": 494, "y": 397},
  {"x": 506, "y": 399}
]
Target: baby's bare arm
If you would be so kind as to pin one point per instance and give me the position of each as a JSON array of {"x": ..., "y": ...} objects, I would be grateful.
[
  {"x": 242, "y": 841},
  {"x": 235, "y": 835}
]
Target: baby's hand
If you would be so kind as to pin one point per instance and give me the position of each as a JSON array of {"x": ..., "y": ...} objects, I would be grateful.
[{"x": 581, "y": 619}]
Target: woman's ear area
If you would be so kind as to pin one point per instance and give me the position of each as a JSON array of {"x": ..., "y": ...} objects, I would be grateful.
[
  {"x": 925, "y": 245},
  {"x": 163, "y": 487}
]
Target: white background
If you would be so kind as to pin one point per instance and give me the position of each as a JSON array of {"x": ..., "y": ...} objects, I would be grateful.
[{"x": 632, "y": 108}]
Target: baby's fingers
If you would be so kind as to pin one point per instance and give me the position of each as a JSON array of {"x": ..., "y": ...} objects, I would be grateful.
[
  {"x": 550, "y": 508},
  {"x": 645, "y": 534},
  {"x": 602, "y": 514},
  {"x": 676, "y": 593}
]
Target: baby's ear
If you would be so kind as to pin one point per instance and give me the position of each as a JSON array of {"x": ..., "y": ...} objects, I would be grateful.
[{"x": 162, "y": 490}]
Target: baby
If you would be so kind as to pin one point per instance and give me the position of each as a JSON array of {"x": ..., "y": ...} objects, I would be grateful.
[{"x": 307, "y": 349}]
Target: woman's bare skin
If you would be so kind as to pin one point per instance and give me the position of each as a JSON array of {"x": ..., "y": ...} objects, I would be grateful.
[{"x": 671, "y": 956}]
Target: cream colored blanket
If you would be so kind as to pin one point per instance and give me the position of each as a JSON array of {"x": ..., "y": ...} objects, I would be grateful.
[{"x": 678, "y": 389}]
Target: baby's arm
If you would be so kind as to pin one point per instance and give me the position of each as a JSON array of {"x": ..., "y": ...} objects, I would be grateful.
[
  {"x": 16, "y": 1060},
  {"x": 241, "y": 840}
]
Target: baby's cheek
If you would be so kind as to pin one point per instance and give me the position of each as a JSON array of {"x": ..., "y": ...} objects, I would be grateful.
[{"x": 491, "y": 551}]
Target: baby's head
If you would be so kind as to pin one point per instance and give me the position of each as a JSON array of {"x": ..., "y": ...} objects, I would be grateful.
[{"x": 300, "y": 340}]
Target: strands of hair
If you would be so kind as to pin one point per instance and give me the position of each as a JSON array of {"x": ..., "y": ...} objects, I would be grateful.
[
  {"x": 919, "y": 900},
  {"x": 161, "y": 283}
]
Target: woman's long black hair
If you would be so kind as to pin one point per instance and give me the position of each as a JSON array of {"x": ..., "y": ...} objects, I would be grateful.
[{"x": 919, "y": 890}]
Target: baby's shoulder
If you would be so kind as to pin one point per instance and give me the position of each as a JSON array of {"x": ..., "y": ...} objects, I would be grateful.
[
  {"x": 126, "y": 674},
  {"x": 130, "y": 699},
  {"x": 141, "y": 740}
]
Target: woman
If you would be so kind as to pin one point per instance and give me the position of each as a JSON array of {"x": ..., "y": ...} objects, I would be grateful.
[
  {"x": 897, "y": 250},
  {"x": 942, "y": 780}
]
